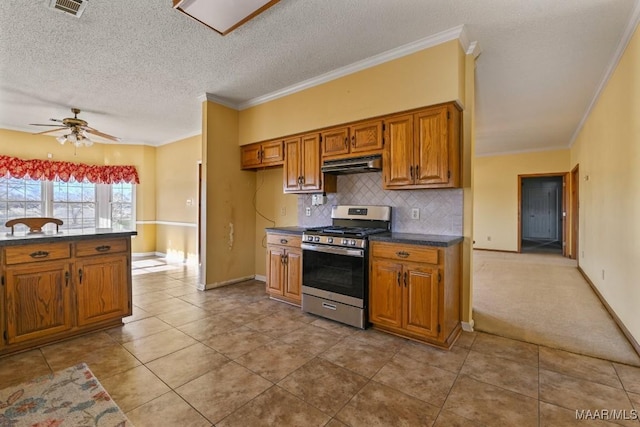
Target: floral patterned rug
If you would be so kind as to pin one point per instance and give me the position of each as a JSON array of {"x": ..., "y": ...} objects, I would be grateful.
[{"x": 72, "y": 397}]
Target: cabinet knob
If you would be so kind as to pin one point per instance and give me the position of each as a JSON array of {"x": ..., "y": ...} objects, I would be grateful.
[
  {"x": 103, "y": 248},
  {"x": 80, "y": 275},
  {"x": 346, "y": 141},
  {"x": 411, "y": 171},
  {"x": 353, "y": 141},
  {"x": 402, "y": 254},
  {"x": 399, "y": 279},
  {"x": 405, "y": 279},
  {"x": 284, "y": 241}
]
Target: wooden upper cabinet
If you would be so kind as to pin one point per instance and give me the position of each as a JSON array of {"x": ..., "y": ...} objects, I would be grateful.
[
  {"x": 335, "y": 142},
  {"x": 423, "y": 149},
  {"x": 359, "y": 139},
  {"x": 397, "y": 158},
  {"x": 262, "y": 154},
  {"x": 302, "y": 172},
  {"x": 366, "y": 138}
]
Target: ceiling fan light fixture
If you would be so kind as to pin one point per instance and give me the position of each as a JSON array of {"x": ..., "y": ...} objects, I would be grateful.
[{"x": 61, "y": 139}]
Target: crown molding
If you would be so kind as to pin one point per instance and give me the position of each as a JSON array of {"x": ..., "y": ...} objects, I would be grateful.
[
  {"x": 454, "y": 33},
  {"x": 218, "y": 100},
  {"x": 615, "y": 60}
]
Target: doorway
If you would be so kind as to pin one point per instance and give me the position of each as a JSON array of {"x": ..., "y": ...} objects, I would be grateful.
[{"x": 542, "y": 217}]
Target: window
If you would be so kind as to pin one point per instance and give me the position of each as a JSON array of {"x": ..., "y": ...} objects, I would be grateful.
[{"x": 80, "y": 205}]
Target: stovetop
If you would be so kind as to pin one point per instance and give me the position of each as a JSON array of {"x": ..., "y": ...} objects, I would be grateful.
[{"x": 340, "y": 231}]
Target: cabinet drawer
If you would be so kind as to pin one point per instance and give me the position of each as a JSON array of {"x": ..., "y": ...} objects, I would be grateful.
[
  {"x": 39, "y": 252},
  {"x": 102, "y": 246},
  {"x": 413, "y": 253},
  {"x": 284, "y": 240}
]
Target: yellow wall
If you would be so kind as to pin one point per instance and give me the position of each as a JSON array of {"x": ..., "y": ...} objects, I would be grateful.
[
  {"x": 176, "y": 208},
  {"x": 608, "y": 152},
  {"x": 270, "y": 202},
  {"x": 427, "y": 77},
  {"x": 495, "y": 194},
  {"x": 27, "y": 146},
  {"x": 228, "y": 247}
]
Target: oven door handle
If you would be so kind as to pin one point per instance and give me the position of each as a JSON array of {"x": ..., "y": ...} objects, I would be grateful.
[{"x": 333, "y": 250}]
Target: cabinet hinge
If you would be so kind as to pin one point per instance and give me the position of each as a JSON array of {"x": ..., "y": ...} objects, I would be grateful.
[
  {"x": 449, "y": 174},
  {"x": 384, "y": 127},
  {"x": 448, "y": 115},
  {"x": 439, "y": 277},
  {"x": 320, "y": 137},
  {"x": 438, "y": 328}
]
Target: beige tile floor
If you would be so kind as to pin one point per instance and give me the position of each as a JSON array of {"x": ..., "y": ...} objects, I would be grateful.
[{"x": 232, "y": 357}]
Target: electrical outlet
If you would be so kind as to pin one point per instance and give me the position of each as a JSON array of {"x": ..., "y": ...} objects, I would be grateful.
[
  {"x": 283, "y": 211},
  {"x": 307, "y": 211},
  {"x": 415, "y": 213}
]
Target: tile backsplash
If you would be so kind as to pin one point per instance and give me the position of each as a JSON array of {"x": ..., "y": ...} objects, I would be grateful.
[{"x": 440, "y": 210}]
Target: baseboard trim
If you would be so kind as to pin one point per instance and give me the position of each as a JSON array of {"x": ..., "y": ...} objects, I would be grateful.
[
  {"x": 146, "y": 254},
  {"x": 496, "y": 250},
  {"x": 616, "y": 319},
  {"x": 468, "y": 326},
  {"x": 260, "y": 277},
  {"x": 224, "y": 283}
]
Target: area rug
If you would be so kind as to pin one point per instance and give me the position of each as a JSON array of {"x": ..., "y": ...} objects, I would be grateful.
[{"x": 70, "y": 398}]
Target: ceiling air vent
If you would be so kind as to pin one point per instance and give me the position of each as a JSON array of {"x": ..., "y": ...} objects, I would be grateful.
[{"x": 72, "y": 7}]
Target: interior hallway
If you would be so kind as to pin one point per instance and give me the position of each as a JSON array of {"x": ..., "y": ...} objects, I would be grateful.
[
  {"x": 543, "y": 299},
  {"x": 232, "y": 357}
]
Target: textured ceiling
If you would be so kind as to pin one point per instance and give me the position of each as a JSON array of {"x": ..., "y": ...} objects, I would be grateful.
[{"x": 138, "y": 68}]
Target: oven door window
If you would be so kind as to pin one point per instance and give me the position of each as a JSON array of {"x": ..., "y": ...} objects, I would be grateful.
[{"x": 340, "y": 274}]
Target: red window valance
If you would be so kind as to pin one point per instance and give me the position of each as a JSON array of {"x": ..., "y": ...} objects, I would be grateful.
[{"x": 51, "y": 170}]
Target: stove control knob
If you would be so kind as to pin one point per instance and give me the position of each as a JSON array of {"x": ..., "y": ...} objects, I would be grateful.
[
  {"x": 316, "y": 239},
  {"x": 345, "y": 242},
  {"x": 352, "y": 243},
  {"x": 309, "y": 238},
  {"x": 330, "y": 240}
]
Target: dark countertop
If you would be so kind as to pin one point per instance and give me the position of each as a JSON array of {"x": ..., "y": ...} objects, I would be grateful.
[
  {"x": 417, "y": 239},
  {"x": 64, "y": 236},
  {"x": 286, "y": 230}
]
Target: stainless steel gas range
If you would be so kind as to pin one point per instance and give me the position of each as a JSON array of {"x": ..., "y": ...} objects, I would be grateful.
[{"x": 335, "y": 263}]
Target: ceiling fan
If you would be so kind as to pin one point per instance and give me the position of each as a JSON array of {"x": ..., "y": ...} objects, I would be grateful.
[{"x": 78, "y": 130}]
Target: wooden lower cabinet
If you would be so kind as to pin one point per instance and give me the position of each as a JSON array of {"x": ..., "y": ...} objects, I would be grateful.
[
  {"x": 102, "y": 289},
  {"x": 53, "y": 291},
  {"x": 284, "y": 267},
  {"x": 419, "y": 298},
  {"x": 37, "y": 301}
]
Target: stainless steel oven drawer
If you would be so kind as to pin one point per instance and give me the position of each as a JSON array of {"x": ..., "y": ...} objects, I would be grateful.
[{"x": 333, "y": 310}]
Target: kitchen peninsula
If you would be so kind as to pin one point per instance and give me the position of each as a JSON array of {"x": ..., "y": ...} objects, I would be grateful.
[{"x": 57, "y": 285}]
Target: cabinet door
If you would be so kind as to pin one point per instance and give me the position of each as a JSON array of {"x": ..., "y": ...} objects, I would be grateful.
[
  {"x": 311, "y": 174},
  {"x": 272, "y": 153},
  {"x": 292, "y": 172},
  {"x": 250, "y": 156},
  {"x": 385, "y": 293},
  {"x": 335, "y": 142},
  {"x": 366, "y": 137},
  {"x": 432, "y": 147},
  {"x": 275, "y": 270},
  {"x": 397, "y": 165},
  {"x": 293, "y": 282},
  {"x": 38, "y": 301},
  {"x": 101, "y": 288},
  {"x": 421, "y": 300}
]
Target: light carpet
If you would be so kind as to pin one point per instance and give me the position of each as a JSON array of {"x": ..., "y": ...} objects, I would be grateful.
[
  {"x": 70, "y": 398},
  {"x": 543, "y": 299}
]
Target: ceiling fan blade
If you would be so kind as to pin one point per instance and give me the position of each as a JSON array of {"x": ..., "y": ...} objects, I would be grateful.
[
  {"x": 51, "y": 130},
  {"x": 41, "y": 124},
  {"x": 101, "y": 134},
  {"x": 57, "y": 120}
]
